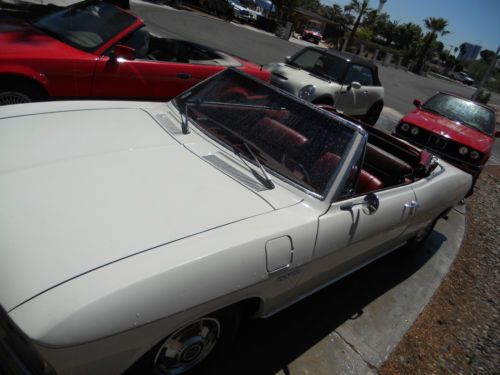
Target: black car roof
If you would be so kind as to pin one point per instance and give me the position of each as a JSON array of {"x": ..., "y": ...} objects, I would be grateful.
[{"x": 347, "y": 56}]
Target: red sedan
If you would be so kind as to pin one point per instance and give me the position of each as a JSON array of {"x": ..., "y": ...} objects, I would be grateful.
[
  {"x": 457, "y": 129},
  {"x": 98, "y": 50}
]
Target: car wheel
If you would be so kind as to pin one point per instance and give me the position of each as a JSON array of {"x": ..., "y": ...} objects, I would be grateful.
[
  {"x": 374, "y": 113},
  {"x": 200, "y": 343},
  {"x": 17, "y": 94}
]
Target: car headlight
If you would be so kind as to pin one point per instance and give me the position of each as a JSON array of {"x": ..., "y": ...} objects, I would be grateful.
[
  {"x": 474, "y": 155},
  {"x": 405, "y": 127},
  {"x": 463, "y": 150},
  {"x": 306, "y": 92},
  {"x": 415, "y": 131}
]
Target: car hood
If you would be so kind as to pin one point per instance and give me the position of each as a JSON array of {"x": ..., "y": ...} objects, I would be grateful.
[
  {"x": 450, "y": 129},
  {"x": 85, "y": 188},
  {"x": 297, "y": 75},
  {"x": 20, "y": 39}
]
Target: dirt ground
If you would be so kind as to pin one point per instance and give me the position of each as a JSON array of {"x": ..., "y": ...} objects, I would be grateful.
[{"x": 459, "y": 330}]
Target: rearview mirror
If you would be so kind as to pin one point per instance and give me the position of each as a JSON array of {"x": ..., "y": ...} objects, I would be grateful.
[
  {"x": 417, "y": 103},
  {"x": 123, "y": 52}
]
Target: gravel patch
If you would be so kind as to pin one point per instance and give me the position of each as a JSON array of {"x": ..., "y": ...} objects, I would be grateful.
[{"x": 459, "y": 330}]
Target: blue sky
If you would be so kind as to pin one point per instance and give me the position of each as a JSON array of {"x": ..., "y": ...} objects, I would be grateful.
[{"x": 472, "y": 21}]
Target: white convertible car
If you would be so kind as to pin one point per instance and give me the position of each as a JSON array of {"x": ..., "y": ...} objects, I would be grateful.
[{"x": 134, "y": 235}]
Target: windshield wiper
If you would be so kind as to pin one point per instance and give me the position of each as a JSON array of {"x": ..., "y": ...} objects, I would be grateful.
[{"x": 264, "y": 179}]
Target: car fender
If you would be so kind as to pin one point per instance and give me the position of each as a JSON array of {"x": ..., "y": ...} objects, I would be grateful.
[
  {"x": 230, "y": 263},
  {"x": 25, "y": 72}
]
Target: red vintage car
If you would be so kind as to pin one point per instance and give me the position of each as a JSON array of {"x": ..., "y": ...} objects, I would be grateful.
[
  {"x": 311, "y": 34},
  {"x": 457, "y": 129},
  {"x": 98, "y": 50}
]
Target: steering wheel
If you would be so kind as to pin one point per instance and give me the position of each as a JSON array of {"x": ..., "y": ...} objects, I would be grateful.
[{"x": 295, "y": 165}]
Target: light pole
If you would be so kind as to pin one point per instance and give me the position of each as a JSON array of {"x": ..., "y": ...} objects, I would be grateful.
[
  {"x": 486, "y": 75},
  {"x": 381, "y": 5}
]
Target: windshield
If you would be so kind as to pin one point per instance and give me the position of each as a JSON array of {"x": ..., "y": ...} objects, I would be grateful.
[
  {"x": 464, "y": 111},
  {"x": 292, "y": 139},
  {"x": 321, "y": 63},
  {"x": 87, "y": 26}
]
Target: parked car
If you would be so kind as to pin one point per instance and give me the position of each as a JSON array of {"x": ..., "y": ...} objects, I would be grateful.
[
  {"x": 97, "y": 50},
  {"x": 462, "y": 77},
  {"x": 329, "y": 77},
  {"x": 457, "y": 129},
  {"x": 312, "y": 35},
  {"x": 221, "y": 8},
  {"x": 241, "y": 13},
  {"x": 136, "y": 233}
]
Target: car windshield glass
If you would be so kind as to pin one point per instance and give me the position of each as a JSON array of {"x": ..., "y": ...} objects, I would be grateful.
[
  {"x": 291, "y": 139},
  {"x": 464, "y": 111},
  {"x": 321, "y": 63},
  {"x": 86, "y": 26}
]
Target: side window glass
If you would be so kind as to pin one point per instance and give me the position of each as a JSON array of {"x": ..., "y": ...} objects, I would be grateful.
[{"x": 360, "y": 74}]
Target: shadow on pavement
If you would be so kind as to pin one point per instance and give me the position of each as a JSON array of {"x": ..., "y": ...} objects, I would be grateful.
[{"x": 266, "y": 346}]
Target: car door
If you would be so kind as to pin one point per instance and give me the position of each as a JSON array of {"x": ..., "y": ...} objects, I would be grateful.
[
  {"x": 347, "y": 239},
  {"x": 352, "y": 100},
  {"x": 145, "y": 76}
]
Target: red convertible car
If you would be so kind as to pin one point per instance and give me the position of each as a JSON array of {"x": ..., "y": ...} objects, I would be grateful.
[
  {"x": 98, "y": 50},
  {"x": 457, "y": 129}
]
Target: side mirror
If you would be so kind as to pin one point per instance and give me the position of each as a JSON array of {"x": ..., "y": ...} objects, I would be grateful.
[
  {"x": 123, "y": 52},
  {"x": 355, "y": 85},
  {"x": 372, "y": 203},
  {"x": 288, "y": 59},
  {"x": 417, "y": 103}
]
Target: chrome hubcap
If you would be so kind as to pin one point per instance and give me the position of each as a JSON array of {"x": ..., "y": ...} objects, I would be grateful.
[
  {"x": 13, "y": 97},
  {"x": 187, "y": 346}
]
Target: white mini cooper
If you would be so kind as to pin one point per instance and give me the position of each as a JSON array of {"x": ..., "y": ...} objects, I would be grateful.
[{"x": 343, "y": 80}]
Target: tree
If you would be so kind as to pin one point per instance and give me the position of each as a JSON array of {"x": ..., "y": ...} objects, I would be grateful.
[
  {"x": 487, "y": 55},
  {"x": 435, "y": 26},
  {"x": 360, "y": 9}
]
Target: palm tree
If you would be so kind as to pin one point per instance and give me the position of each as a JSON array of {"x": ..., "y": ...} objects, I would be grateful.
[
  {"x": 435, "y": 26},
  {"x": 360, "y": 9}
]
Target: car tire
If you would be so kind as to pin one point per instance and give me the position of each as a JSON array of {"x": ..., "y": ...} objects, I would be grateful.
[
  {"x": 373, "y": 113},
  {"x": 20, "y": 93},
  {"x": 196, "y": 348}
]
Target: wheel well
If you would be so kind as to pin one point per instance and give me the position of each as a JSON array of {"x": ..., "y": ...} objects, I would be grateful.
[
  {"x": 249, "y": 307},
  {"x": 323, "y": 100},
  {"x": 17, "y": 80}
]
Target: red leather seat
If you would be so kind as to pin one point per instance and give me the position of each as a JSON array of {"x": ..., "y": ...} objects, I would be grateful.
[
  {"x": 323, "y": 169},
  {"x": 367, "y": 182},
  {"x": 279, "y": 137}
]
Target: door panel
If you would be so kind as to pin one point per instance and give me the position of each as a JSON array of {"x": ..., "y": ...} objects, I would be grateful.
[
  {"x": 349, "y": 239},
  {"x": 145, "y": 79}
]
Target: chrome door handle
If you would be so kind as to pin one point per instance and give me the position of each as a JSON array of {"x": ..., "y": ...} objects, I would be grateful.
[
  {"x": 365, "y": 92},
  {"x": 413, "y": 205}
]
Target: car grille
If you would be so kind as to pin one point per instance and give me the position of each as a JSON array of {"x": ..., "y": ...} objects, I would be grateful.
[
  {"x": 443, "y": 146},
  {"x": 436, "y": 141}
]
